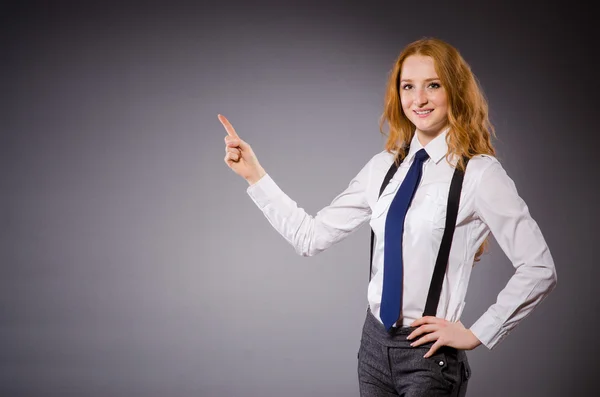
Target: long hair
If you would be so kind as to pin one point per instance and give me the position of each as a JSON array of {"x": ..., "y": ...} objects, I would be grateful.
[{"x": 470, "y": 131}]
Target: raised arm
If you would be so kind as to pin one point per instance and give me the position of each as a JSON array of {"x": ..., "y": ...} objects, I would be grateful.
[{"x": 308, "y": 234}]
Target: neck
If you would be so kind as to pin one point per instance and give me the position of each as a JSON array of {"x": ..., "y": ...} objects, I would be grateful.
[{"x": 426, "y": 137}]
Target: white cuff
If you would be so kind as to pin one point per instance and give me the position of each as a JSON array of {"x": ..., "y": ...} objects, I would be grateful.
[{"x": 263, "y": 191}]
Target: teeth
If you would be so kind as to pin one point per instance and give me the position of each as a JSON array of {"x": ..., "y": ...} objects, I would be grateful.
[{"x": 423, "y": 111}]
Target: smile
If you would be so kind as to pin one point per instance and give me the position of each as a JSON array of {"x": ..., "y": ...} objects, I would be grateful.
[{"x": 420, "y": 112}]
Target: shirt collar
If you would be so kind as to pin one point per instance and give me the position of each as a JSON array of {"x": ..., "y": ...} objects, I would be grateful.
[{"x": 436, "y": 149}]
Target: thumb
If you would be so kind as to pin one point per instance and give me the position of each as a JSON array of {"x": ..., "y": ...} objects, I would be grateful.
[{"x": 237, "y": 143}]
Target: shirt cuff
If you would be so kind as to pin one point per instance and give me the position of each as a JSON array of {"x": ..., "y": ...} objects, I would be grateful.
[
  {"x": 263, "y": 191},
  {"x": 488, "y": 331}
]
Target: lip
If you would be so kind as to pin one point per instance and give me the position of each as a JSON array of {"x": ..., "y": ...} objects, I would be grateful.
[{"x": 423, "y": 115}]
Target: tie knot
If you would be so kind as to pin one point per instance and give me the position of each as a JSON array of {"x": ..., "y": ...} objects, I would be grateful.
[{"x": 421, "y": 155}]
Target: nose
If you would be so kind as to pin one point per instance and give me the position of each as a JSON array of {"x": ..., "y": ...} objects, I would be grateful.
[{"x": 420, "y": 97}]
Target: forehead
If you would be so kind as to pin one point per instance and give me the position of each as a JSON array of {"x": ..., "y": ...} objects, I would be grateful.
[{"x": 418, "y": 67}]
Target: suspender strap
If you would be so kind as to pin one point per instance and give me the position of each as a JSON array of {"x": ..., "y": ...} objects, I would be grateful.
[
  {"x": 441, "y": 263},
  {"x": 386, "y": 180},
  {"x": 435, "y": 289}
]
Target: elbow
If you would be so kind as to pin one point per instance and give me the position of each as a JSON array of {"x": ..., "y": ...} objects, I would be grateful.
[
  {"x": 549, "y": 277},
  {"x": 310, "y": 242},
  {"x": 304, "y": 248},
  {"x": 302, "y": 252},
  {"x": 307, "y": 251},
  {"x": 553, "y": 278},
  {"x": 303, "y": 238}
]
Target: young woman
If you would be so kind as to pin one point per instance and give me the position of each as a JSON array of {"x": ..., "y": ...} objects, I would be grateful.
[{"x": 439, "y": 131}]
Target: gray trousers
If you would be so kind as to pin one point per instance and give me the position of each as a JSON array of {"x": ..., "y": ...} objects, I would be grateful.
[{"x": 389, "y": 366}]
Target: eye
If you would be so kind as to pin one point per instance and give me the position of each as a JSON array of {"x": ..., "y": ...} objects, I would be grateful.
[
  {"x": 434, "y": 85},
  {"x": 407, "y": 86}
]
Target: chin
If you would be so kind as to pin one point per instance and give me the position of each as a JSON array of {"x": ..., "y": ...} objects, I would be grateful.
[
  {"x": 425, "y": 129},
  {"x": 429, "y": 130}
]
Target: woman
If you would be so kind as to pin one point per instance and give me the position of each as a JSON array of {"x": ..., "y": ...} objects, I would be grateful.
[{"x": 438, "y": 129}]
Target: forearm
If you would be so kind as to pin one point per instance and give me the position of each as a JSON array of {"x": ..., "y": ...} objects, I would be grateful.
[
  {"x": 528, "y": 287},
  {"x": 307, "y": 234}
]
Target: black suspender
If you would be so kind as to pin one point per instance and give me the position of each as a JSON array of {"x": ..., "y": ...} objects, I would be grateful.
[
  {"x": 386, "y": 180},
  {"x": 435, "y": 289}
]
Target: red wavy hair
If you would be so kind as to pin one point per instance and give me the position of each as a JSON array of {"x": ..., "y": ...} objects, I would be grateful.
[{"x": 470, "y": 132}]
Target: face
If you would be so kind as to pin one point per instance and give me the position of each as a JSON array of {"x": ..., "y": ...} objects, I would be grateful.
[{"x": 423, "y": 98}]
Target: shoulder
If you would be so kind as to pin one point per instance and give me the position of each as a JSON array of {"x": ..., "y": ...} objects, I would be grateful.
[
  {"x": 482, "y": 161},
  {"x": 383, "y": 157},
  {"x": 480, "y": 164},
  {"x": 376, "y": 167},
  {"x": 485, "y": 173},
  {"x": 488, "y": 176},
  {"x": 380, "y": 161}
]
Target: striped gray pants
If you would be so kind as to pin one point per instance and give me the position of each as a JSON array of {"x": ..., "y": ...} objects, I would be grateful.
[{"x": 388, "y": 366}]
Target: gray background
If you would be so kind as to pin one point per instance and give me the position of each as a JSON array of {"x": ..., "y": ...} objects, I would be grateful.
[{"x": 134, "y": 263}]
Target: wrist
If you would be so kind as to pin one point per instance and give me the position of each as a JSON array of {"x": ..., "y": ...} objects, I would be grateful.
[
  {"x": 255, "y": 178},
  {"x": 474, "y": 340}
]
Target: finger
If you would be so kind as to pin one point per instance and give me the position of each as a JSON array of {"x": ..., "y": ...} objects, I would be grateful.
[
  {"x": 234, "y": 150},
  {"x": 230, "y": 141},
  {"x": 236, "y": 142},
  {"x": 425, "y": 339},
  {"x": 230, "y": 157},
  {"x": 423, "y": 329},
  {"x": 426, "y": 320},
  {"x": 433, "y": 349},
  {"x": 228, "y": 127},
  {"x": 235, "y": 155}
]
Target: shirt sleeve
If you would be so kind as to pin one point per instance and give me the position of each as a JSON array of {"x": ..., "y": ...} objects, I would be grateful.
[
  {"x": 507, "y": 216},
  {"x": 308, "y": 234}
]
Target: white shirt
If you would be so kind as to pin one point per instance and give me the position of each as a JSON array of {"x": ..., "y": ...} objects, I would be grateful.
[{"x": 489, "y": 203}]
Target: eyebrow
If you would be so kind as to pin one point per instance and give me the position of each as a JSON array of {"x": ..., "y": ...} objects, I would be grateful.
[{"x": 426, "y": 80}]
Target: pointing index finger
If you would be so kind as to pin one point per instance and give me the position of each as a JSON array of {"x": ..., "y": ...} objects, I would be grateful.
[{"x": 228, "y": 127}]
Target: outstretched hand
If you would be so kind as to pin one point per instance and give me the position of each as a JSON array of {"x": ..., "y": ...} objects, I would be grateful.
[
  {"x": 239, "y": 156},
  {"x": 443, "y": 333}
]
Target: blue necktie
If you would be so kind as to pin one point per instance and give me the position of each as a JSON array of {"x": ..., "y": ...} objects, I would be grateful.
[{"x": 391, "y": 299}]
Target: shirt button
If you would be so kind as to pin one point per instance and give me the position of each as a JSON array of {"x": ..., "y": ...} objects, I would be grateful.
[{"x": 441, "y": 363}]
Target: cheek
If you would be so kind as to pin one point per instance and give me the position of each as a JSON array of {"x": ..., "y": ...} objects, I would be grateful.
[
  {"x": 406, "y": 102},
  {"x": 440, "y": 100}
]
